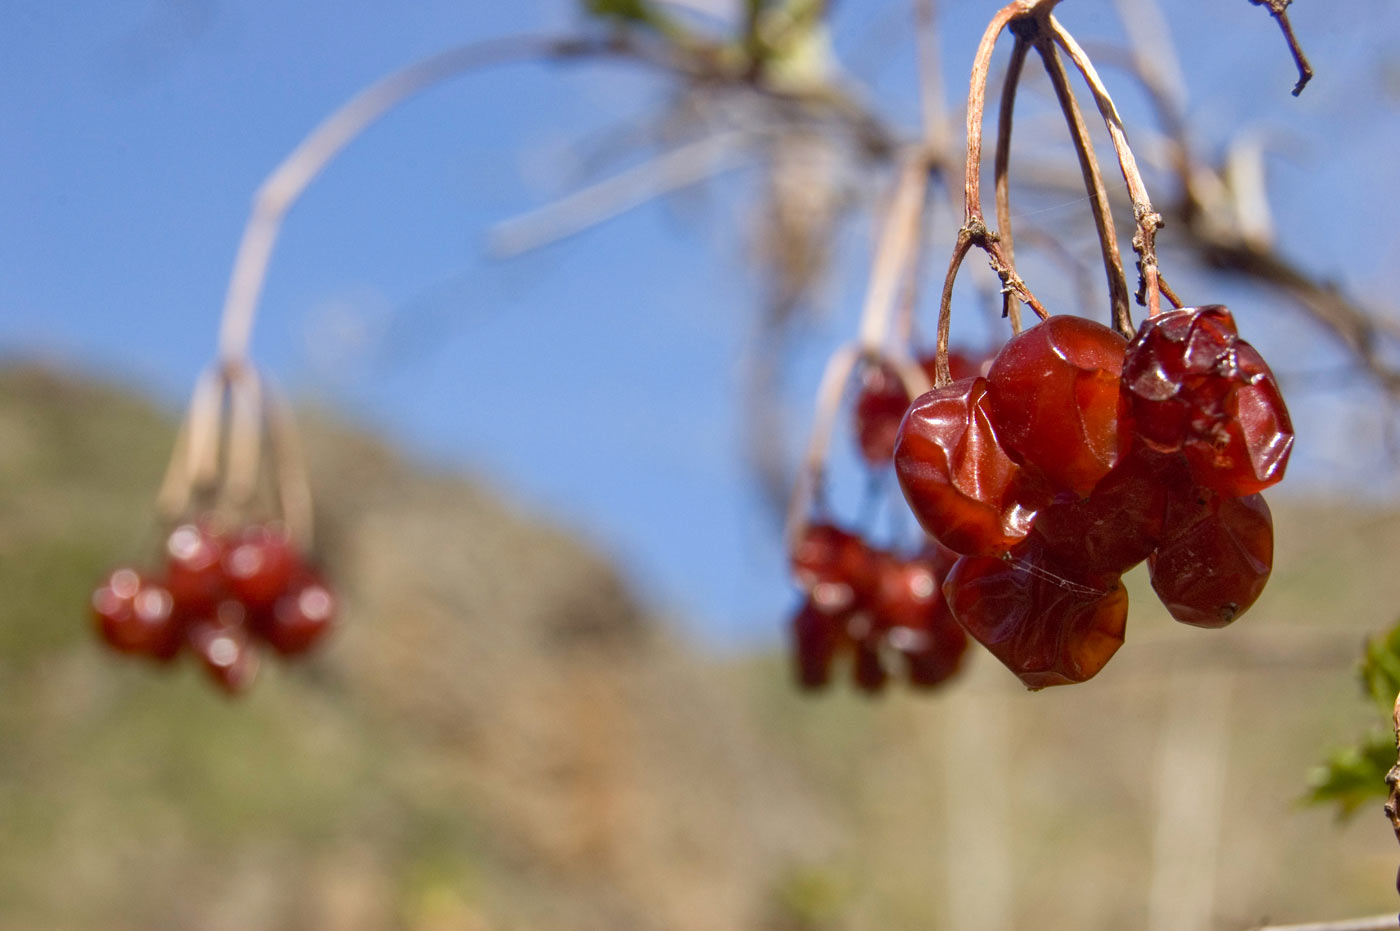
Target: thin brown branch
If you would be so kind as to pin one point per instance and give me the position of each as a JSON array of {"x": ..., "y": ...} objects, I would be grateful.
[
  {"x": 1002, "y": 162},
  {"x": 1148, "y": 220},
  {"x": 1278, "y": 9},
  {"x": 1392, "y": 778},
  {"x": 1093, "y": 183},
  {"x": 807, "y": 486}
]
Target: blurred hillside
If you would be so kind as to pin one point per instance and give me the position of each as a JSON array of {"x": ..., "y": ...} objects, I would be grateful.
[{"x": 500, "y": 738}]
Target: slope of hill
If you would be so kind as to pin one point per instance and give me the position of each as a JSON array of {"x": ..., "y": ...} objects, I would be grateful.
[{"x": 499, "y": 738}]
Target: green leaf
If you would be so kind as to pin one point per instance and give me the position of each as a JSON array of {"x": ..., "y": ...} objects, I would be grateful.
[
  {"x": 1380, "y": 669},
  {"x": 1353, "y": 776}
]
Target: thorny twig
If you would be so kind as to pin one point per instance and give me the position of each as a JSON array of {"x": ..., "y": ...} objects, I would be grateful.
[{"x": 1278, "y": 9}]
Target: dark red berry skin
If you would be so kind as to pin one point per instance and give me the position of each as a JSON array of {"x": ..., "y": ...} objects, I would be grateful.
[
  {"x": 136, "y": 615},
  {"x": 834, "y": 567},
  {"x": 934, "y": 653},
  {"x": 193, "y": 570},
  {"x": 1213, "y": 568},
  {"x": 222, "y": 642},
  {"x": 1191, "y": 385},
  {"x": 1052, "y": 392},
  {"x": 882, "y": 401},
  {"x": 300, "y": 618},
  {"x": 868, "y": 669},
  {"x": 1046, "y": 627},
  {"x": 259, "y": 563},
  {"x": 958, "y": 481},
  {"x": 816, "y": 638},
  {"x": 1120, "y": 523}
]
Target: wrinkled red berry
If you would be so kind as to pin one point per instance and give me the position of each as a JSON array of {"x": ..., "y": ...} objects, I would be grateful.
[
  {"x": 1190, "y": 384},
  {"x": 1121, "y": 521},
  {"x": 833, "y": 566},
  {"x": 1052, "y": 392},
  {"x": 958, "y": 481},
  {"x": 1211, "y": 569},
  {"x": 1046, "y": 627}
]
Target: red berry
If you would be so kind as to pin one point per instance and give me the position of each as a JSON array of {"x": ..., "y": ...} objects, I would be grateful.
[
  {"x": 1052, "y": 392},
  {"x": 300, "y": 618},
  {"x": 259, "y": 564},
  {"x": 135, "y": 615},
  {"x": 192, "y": 570},
  {"x": 833, "y": 566},
  {"x": 1120, "y": 523},
  {"x": 222, "y": 643},
  {"x": 959, "y": 483},
  {"x": 1045, "y": 626},
  {"x": 882, "y": 402},
  {"x": 1211, "y": 569},
  {"x": 1190, "y": 384},
  {"x": 879, "y": 408},
  {"x": 932, "y": 644},
  {"x": 816, "y": 638},
  {"x": 868, "y": 670}
]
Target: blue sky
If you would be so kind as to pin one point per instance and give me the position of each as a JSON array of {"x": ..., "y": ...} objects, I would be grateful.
[{"x": 596, "y": 380}]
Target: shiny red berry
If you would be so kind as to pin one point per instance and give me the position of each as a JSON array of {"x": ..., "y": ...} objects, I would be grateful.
[
  {"x": 225, "y": 649},
  {"x": 958, "y": 481},
  {"x": 816, "y": 639},
  {"x": 300, "y": 618},
  {"x": 834, "y": 567},
  {"x": 134, "y": 615},
  {"x": 1190, "y": 384},
  {"x": 193, "y": 571},
  {"x": 1211, "y": 569},
  {"x": 259, "y": 563},
  {"x": 882, "y": 401},
  {"x": 1045, "y": 626},
  {"x": 1052, "y": 392}
]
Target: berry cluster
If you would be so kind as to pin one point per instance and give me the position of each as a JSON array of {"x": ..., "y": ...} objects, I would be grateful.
[
  {"x": 219, "y": 593},
  {"x": 883, "y": 609},
  {"x": 1078, "y": 456}
]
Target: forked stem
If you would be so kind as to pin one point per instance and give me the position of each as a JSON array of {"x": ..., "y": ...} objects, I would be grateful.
[
  {"x": 1093, "y": 183},
  {"x": 1148, "y": 220}
]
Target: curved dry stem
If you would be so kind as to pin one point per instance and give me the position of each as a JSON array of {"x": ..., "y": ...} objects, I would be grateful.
[
  {"x": 1093, "y": 183},
  {"x": 933, "y": 109},
  {"x": 291, "y": 484},
  {"x": 194, "y": 463},
  {"x": 941, "y": 374},
  {"x": 895, "y": 252},
  {"x": 285, "y": 185},
  {"x": 244, "y": 452},
  {"x": 1003, "y": 162},
  {"x": 977, "y": 103},
  {"x": 807, "y": 485},
  {"x": 1148, "y": 220}
]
